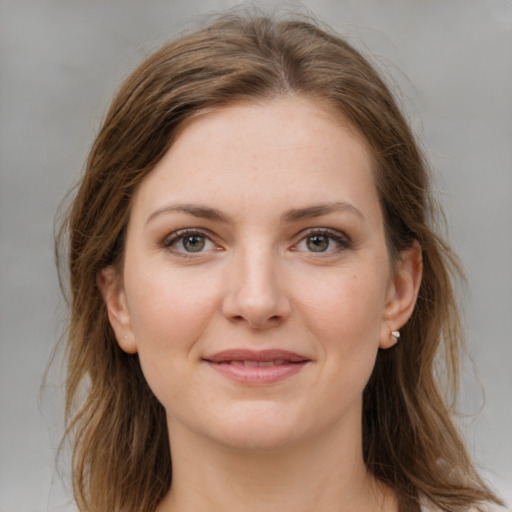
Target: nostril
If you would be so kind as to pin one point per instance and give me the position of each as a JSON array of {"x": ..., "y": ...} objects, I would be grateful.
[{"x": 259, "y": 306}]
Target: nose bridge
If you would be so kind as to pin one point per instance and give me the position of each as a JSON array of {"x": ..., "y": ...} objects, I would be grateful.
[{"x": 255, "y": 293}]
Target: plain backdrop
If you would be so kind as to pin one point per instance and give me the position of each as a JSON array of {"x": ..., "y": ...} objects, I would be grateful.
[{"x": 60, "y": 63}]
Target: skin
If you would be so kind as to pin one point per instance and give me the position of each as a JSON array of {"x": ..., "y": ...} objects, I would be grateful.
[{"x": 258, "y": 282}]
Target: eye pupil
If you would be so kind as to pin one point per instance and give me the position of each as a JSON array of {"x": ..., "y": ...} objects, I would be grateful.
[
  {"x": 193, "y": 243},
  {"x": 318, "y": 243}
]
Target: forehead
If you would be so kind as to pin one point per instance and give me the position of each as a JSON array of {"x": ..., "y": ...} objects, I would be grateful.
[
  {"x": 280, "y": 122},
  {"x": 291, "y": 149}
]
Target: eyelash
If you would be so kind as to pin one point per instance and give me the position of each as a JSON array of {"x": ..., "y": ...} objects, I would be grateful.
[
  {"x": 344, "y": 242},
  {"x": 181, "y": 235}
]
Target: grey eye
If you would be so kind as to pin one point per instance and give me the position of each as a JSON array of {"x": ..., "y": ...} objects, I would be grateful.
[
  {"x": 193, "y": 243},
  {"x": 317, "y": 243}
]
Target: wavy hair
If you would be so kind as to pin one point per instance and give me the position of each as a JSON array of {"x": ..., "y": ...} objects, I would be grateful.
[{"x": 122, "y": 459}]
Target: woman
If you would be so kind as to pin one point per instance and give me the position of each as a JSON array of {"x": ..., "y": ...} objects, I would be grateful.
[{"x": 257, "y": 295}]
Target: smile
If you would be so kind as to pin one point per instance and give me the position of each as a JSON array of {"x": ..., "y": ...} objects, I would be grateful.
[
  {"x": 277, "y": 362},
  {"x": 257, "y": 368}
]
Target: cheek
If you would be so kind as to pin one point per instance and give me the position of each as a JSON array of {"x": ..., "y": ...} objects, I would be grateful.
[
  {"x": 170, "y": 311},
  {"x": 345, "y": 315},
  {"x": 346, "y": 309},
  {"x": 169, "y": 308},
  {"x": 343, "y": 318}
]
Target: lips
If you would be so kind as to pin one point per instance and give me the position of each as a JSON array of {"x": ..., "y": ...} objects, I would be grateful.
[
  {"x": 257, "y": 367},
  {"x": 275, "y": 362}
]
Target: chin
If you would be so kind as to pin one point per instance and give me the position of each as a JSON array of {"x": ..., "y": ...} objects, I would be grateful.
[
  {"x": 258, "y": 438},
  {"x": 255, "y": 426}
]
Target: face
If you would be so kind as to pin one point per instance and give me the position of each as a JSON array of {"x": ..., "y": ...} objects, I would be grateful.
[{"x": 256, "y": 286}]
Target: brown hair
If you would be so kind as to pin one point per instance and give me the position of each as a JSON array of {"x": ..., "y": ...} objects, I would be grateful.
[{"x": 121, "y": 458}]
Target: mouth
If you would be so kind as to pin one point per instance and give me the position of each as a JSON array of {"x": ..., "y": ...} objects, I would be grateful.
[
  {"x": 257, "y": 367},
  {"x": 245, "y": 363}
]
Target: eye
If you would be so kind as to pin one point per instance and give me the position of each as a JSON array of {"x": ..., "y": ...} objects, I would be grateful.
[
  {"x": 188, "y": 242},
  {"x": 318, "y": 243},
  {"x": 193, "y": 243},
  {"x": 323, "y": 241}
]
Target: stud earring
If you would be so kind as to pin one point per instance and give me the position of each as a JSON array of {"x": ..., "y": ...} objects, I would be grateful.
[{"x": 395, "y": 335}]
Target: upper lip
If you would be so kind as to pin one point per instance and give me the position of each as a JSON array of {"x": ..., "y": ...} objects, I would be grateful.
[{"x": 256, "y": 355}]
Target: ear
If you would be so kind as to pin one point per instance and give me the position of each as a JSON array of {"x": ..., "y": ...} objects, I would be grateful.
[
  {"x": 111, "y": 285},
  {"x": 402, "y": 294}
]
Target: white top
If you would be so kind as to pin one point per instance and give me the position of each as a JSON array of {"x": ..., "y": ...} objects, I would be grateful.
[{"x": 425, "y": 507}]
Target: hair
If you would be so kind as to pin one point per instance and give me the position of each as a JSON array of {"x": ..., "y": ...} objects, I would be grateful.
[{"x": 121, "y": 459}]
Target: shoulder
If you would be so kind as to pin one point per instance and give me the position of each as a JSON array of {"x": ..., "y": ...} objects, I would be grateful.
[{"x": 428, "y": 507}]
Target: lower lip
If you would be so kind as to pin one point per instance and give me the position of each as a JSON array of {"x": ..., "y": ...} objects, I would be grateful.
[{"x": 257, "y": 375}]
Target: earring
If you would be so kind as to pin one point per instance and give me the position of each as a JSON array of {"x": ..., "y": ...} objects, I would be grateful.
[
  {"x": 395, "y": 335},
  {"x": 125, "y": 337}
]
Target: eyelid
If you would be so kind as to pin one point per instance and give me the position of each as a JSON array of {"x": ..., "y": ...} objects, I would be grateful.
[
  {"x": 343, "y": 240},
  {"x": 179, "y": 233},
  {"x": 168, "y": 241},
  {"x": 340, "y": 237}
]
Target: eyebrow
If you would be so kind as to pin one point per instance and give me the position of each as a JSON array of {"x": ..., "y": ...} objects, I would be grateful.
[
  {"x": 205, "y": 212},
  {"x": 321, "y": 209},
  {"x": 202, "y": 212}
]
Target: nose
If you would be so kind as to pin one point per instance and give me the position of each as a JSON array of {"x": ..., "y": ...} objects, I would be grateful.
[{"x": 254, "y": 293}]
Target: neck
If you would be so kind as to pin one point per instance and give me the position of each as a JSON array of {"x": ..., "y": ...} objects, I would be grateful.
[{"x": 323, "y": 475}]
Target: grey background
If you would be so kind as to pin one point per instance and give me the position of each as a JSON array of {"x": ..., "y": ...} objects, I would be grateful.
[{"x": 60, "y": 64}]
